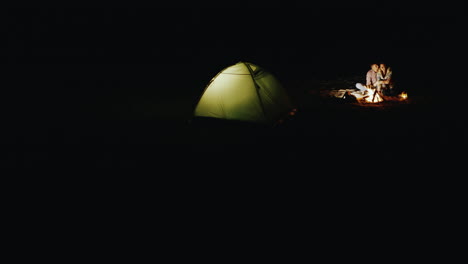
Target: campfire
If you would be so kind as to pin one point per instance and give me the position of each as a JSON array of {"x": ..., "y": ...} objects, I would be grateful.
[
  {"x": 368, "y": 98},
  {"x": 373, "y": 96},
  {"x": 403, "y": 96}
]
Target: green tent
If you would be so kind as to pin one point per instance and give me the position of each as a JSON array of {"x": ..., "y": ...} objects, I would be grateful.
[{"x": 244, "y": 92}]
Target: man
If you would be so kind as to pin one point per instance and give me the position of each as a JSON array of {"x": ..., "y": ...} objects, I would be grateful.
[{"x": 371, "y": 79}]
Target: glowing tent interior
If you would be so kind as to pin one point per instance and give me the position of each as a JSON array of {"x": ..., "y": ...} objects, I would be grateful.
[{"x": 244, "y": 92}]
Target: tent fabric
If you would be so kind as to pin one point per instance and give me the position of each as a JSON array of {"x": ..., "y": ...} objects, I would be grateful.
[{"x": 244, "y": 92}]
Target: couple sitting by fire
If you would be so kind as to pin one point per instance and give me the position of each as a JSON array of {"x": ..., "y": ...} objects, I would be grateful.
[{"x": 378, "y": 83}]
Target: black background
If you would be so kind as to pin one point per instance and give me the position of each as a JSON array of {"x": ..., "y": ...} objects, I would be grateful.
[
  {"x": 72, "y": 65},
  {"x": 147, "y": 44},
  {"x": 64, "y": 70}
]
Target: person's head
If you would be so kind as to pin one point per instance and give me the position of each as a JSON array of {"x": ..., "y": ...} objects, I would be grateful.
[
  {"x": 375, "y": 67},
  {"x": 382, "y": 66}
]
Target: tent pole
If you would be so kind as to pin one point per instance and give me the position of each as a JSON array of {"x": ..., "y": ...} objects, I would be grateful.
[{"x": 257, "y": 89}]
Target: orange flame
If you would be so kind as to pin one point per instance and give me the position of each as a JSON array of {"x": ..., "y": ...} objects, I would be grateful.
[
  {"x": 373, "y": 96},
  {"x": 403, "y": 96}
]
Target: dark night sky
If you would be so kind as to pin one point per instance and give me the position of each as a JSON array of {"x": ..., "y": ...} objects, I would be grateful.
[
  {"x": 181, "y": 35},
  {"x": 52, "y": 53}
]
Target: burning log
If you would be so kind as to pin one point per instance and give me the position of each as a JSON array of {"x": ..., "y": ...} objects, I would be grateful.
[{"x": 373, "y": 96}]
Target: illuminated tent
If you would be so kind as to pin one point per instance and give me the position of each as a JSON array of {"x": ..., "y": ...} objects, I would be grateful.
[{"x": 244, "y": 92}]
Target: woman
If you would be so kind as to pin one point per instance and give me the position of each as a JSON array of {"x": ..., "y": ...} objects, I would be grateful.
[{"x": 384, "y": 79}]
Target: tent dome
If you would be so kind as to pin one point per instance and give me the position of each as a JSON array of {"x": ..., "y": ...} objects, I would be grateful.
[{"x": 244, "y": 92}]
